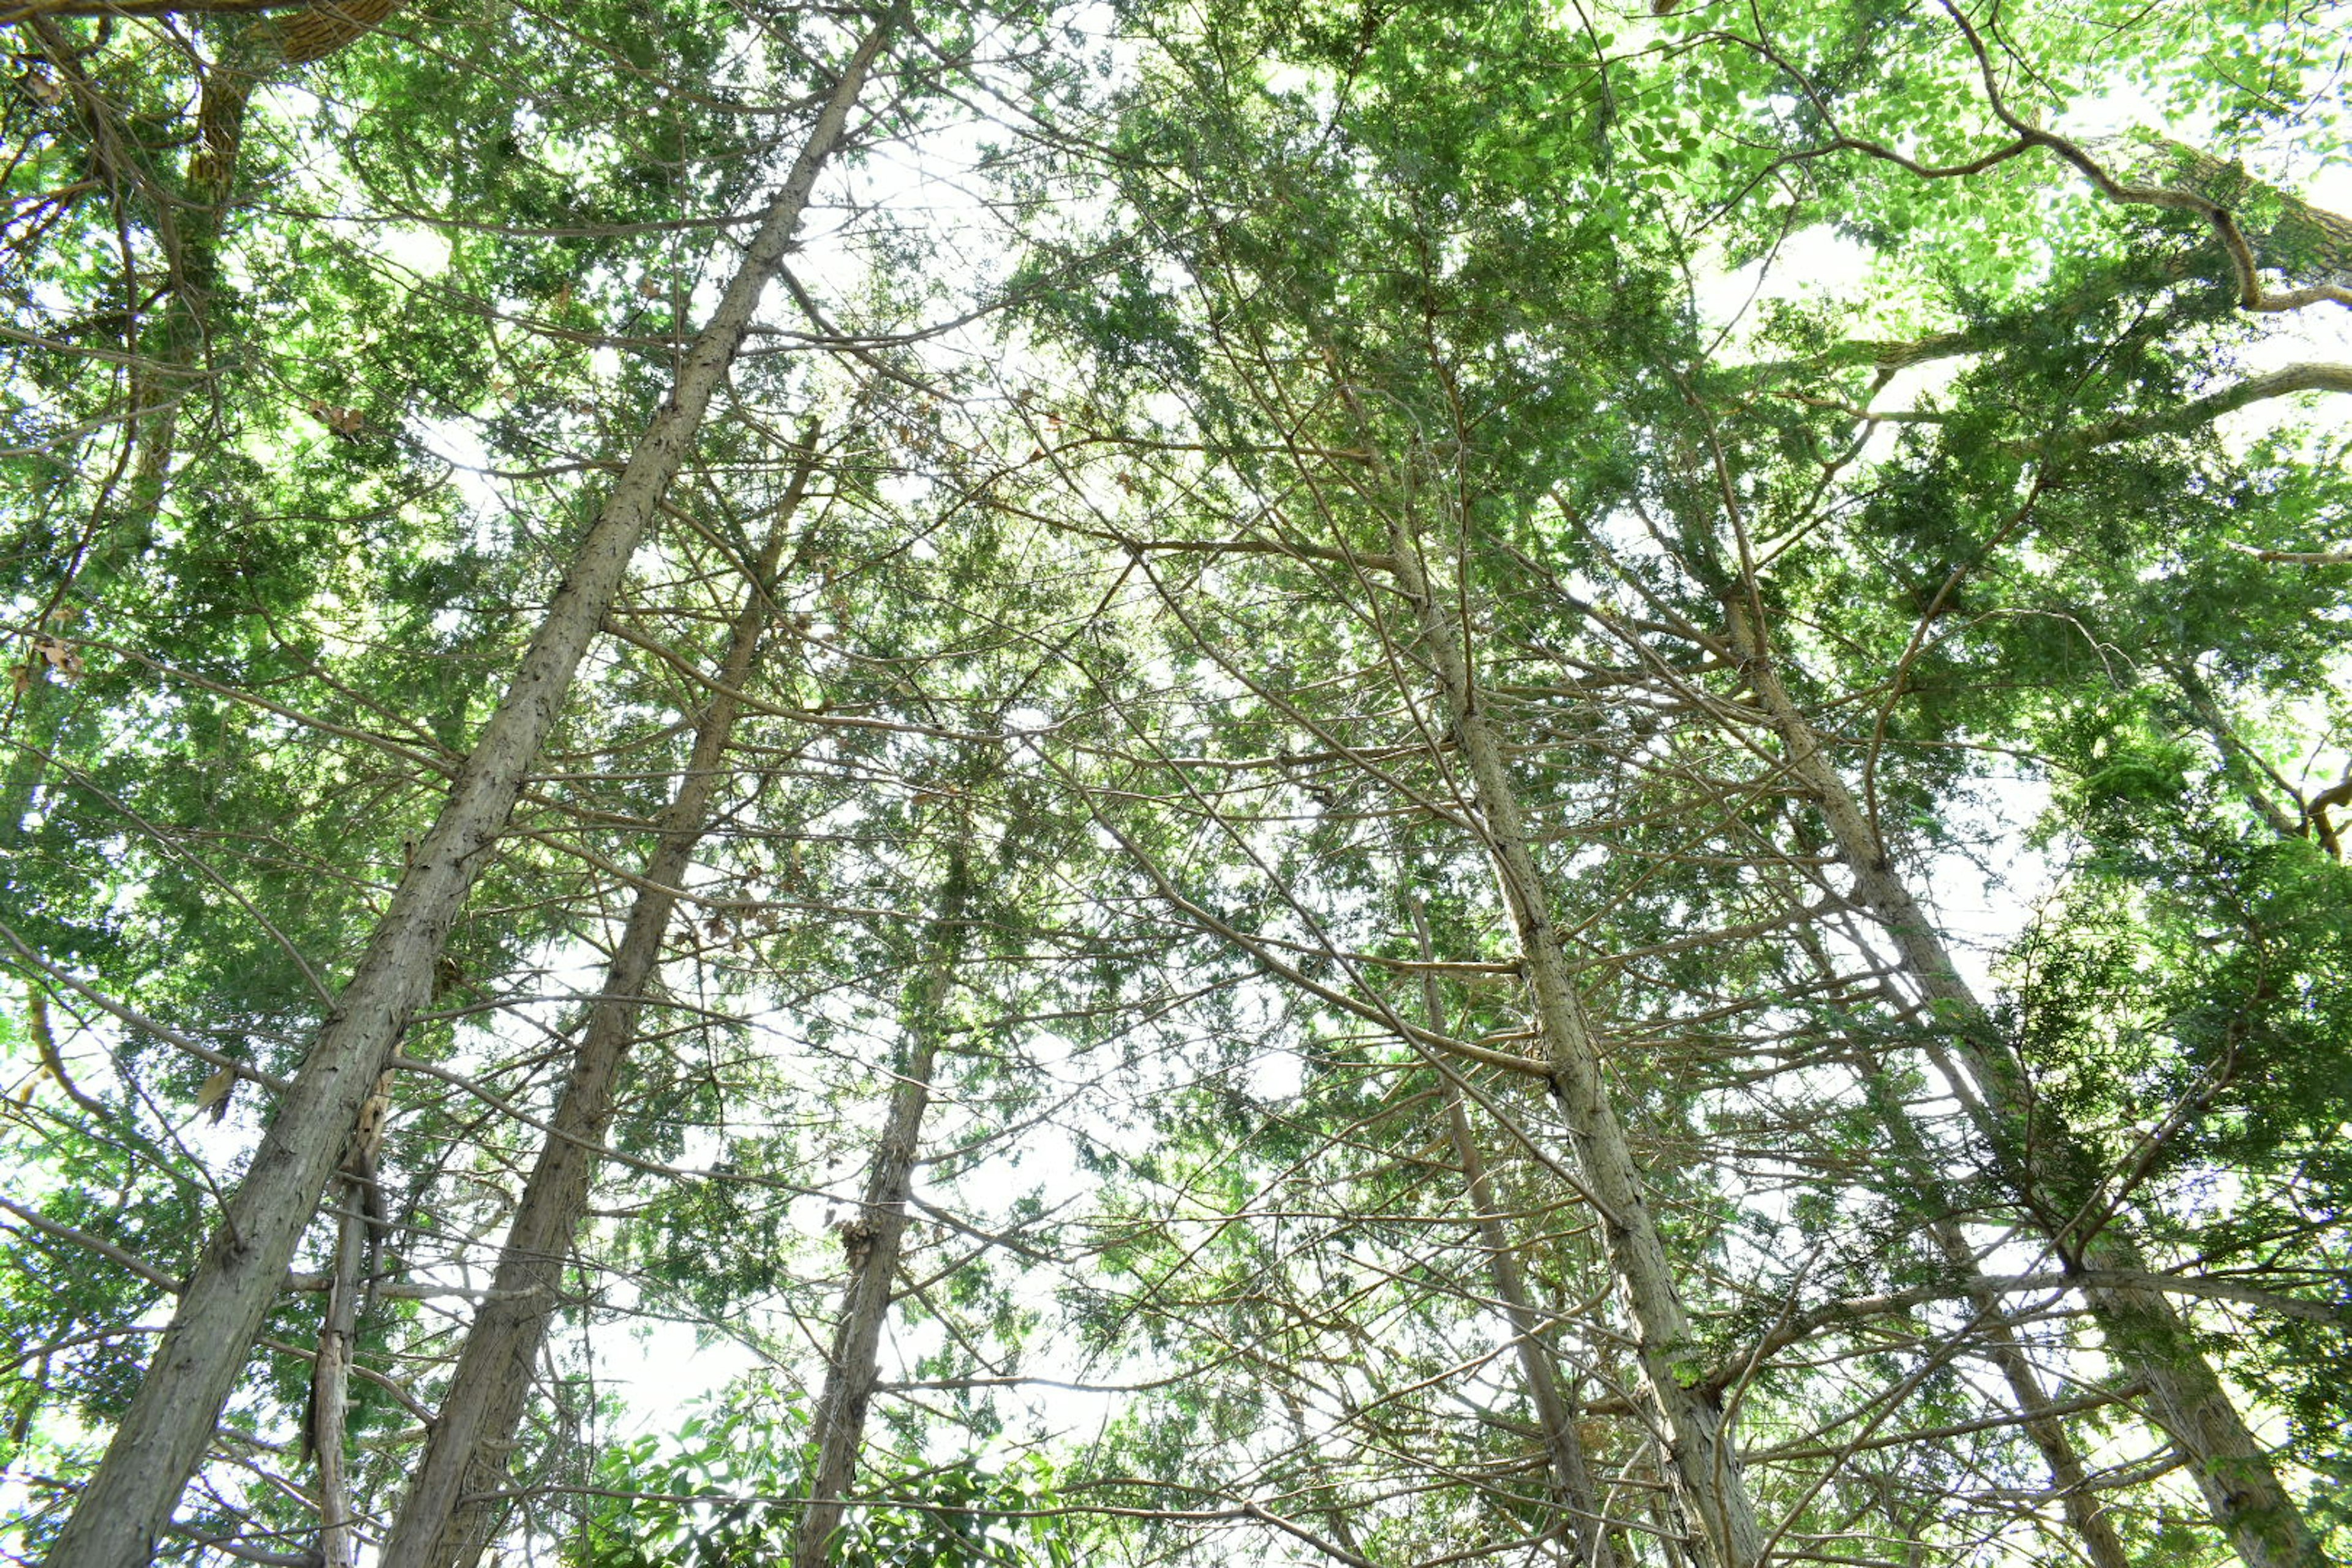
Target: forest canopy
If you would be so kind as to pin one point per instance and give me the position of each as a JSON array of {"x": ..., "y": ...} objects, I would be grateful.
[{"x": 1385, "y": 782}]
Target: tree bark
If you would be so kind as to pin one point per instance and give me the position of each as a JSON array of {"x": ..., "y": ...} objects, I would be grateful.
[
  {"x": 350, "y": 1289},
  {"x": 472, "y": 1436},
  {"x": 1704, "y": 1467},
  {"x": 1539, "y": 1372},
  {"x": 872, "y": 1240},
  {"x": 37, "y": 10},
  {"x": 2050, "y": 1170},
  {"x": 330, "y": 1385},
  {"x": 163, "y": 1434},
  {"x": 2241, "y": 763},
  {"x": 2044, "y": 1429}
]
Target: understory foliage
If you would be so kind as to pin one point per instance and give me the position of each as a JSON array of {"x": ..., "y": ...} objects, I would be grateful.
[{"x": 1327, "y": 618}]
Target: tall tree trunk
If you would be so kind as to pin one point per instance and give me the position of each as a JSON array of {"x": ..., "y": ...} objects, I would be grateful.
[
  {"x": 872, "y": 1239},
  {"x": 330, "y": 1385},
  {"x": 2093, "y": 1529},
  {"x": 472, "y": 1436},
  {"x": 2053, "y": 1175},
  {"x": 1539, "y": 1372},
  {"x": 162, "y": 1435},
  {"x": 359, "y": 1229},
  {"x": 1703, "y": 1466},
  {"x": 1548, "y": 1389},
  {"x": 2241, "y": 763}
]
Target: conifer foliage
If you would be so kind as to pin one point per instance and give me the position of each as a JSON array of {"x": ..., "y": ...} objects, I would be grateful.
[{"x": 1393, "y": 783}]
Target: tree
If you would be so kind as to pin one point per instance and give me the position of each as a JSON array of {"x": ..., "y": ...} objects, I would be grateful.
[
  {"x": 1308, "y": 910},
  {"x": 161, "y": 1436}
]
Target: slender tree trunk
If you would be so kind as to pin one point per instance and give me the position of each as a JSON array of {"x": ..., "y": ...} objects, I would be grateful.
[
  {"x": 1667, "y": 1528},
  {"x": 331, "y": 1386},
  {"x": 872, "y": 1240},
  {"x": 2240, "y": 765},
  {"x": 2093, "y": 1530},
  {"x": 2053, "y": 1175},
  {"x": 350, "y": 1289},
  {"x": 1334, "y": 1511},
  {"x": 1550, "y": 1393},
  {"x": 1548, "y": 1390},
  {"x": 1703, "y": 1466},
  {"x": 163, "y": 1434},
  {"x": 474, "y": 1433}
]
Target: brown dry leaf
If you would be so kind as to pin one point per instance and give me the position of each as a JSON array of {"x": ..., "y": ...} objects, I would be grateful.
[
  {"x": 344, "y": 422},
  {"x": 214, "y": 1094},
  {"x": 61, "y": 656}
]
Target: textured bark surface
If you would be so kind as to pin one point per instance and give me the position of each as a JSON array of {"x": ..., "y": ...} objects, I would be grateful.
[
  {"x": 163, "y": 1434},
  {"x": 1539, "y": 1372},
  {"x": 320, "y": 29},
  {"x": 2306, "y": 243},
  {"x": 31, "y": 10},
  {"x": 471, "y": 1437},
  {"x": 2086, "y": 1515},
  {"x": 1703, "y": 1466},
  {"x": 331, "y": 1386},
  {"x": 2051, "y": 1173},
  {"x": 872, "y": 1240}
]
